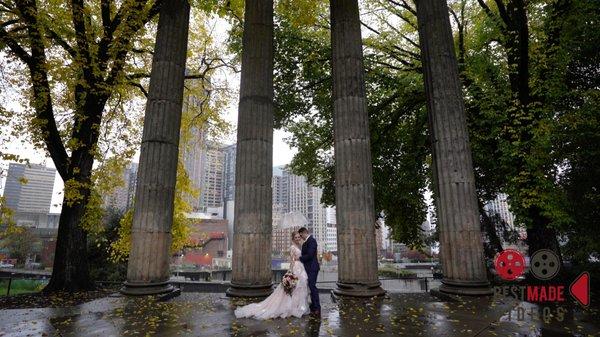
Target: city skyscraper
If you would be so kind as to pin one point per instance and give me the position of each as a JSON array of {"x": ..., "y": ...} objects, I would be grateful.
[
  {"x": 280, "y": 188},
  {"x": 306, "y": 199},
  {"x": 229, "y": 155},
  {"x": 131, "y": 172},
  {"x": 28, "y": 193},
  {"x": 211, "y": 178},
  {"x": 204, "y": 163},
  {"x": 291, "y": 194},
  {"x": 331, "y": 230},
  {"x": 229, "y": 172},
  {"x": 203, "y": 160},
  {"x": 500, "y": 206},
  {"x": 123, "y": 196},
  {"x": 192, "y": 161}
]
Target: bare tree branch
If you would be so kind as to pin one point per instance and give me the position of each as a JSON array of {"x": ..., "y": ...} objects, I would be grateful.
[
  {"x": 83, "y": 46},
  {"x": 105, "y": 9},
  {"x": 8, "y": 23},
  {"x": 61, "y": 42},
  {"x": 403, "y": 17},
  {"x": 405, "y": 5},
  {"x": 370, "y": 28},
  {"x": 453, "y": 13},
  {"x": 122, "y": 42},
  {"x": 139, "y": 86},
  {"x": 486, "y": 9},
  {"x": 14, "y": 46},
  {"x": 503, "y": 13},
  {"x": 400, "y": 49},
  {"x": 411, "y": 41},
  {"x": 493, "y": 16}
]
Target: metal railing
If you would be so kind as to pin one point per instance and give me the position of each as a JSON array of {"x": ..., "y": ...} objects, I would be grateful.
[
  {"x": 10, "y": 282},
  {"x": 424, "y": 282}
]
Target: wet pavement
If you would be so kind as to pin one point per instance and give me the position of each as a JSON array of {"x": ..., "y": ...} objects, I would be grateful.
[{"x": 202, "y": 314}]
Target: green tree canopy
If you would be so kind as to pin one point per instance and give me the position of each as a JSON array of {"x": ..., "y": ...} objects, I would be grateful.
[{"x": 530, "y": 76}]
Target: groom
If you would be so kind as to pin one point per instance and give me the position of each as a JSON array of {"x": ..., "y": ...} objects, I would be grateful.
[{"x": 311, "y": 265}]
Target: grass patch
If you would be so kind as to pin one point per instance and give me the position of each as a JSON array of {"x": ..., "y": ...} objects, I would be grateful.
[{"x": 21, "y": 286}]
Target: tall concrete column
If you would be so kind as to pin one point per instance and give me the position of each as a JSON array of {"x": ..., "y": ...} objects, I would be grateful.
[
  {"x": 148, "y": 269},
  {"x": 251, "y": 265},
  {"x": 461, "y": 243},
  {"x": 357, "y": 264}
]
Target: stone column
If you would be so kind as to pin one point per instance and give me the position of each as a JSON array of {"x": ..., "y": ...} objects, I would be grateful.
[
  {"x": 357, "y": 266},
  {"x": 461, "y": 244},
  {"x": 148, "y": 269},
  {"x": 251, "y": 265}
]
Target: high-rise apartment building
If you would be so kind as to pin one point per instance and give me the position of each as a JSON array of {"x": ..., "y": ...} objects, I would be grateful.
[
  {"x": 131, "y": 174},
  {"x": 229, "y": 155},
  {"x": 123, "y": 196},
  {"x": 28, "y": 193},
  {"x": 211, "y": 178},
  {"x": 192, "y": 161},
  {"x": 331, "y": 230},
  {"x": 204, "y": 163},
  {"x": 280, "y": 187},
  {"x": 29, "y": 188},
  {"x": 306, "y": 199},
  {"x": 500, "y": 206},
  {"x": 331, "y": 238},
  {"x": 291, "y": 194}
]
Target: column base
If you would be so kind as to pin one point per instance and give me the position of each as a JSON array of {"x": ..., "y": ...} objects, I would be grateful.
[
  {"x": 468, "y": 288},
  {"x": 241, "y": 290},
  {"x": 359, "y": 289},
  {"x": 144, "y": 289}
]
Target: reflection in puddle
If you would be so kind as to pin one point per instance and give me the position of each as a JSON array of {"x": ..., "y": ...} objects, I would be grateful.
[{"x": 197, "y": 314}]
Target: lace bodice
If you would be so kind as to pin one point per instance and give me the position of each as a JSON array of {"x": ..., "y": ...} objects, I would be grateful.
[{"x": 295, "y": 252}]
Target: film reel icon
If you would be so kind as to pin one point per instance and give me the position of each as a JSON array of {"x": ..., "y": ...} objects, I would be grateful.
[
  {"x": 510, "y": 264},
  {"x": 544, "y": 264}
]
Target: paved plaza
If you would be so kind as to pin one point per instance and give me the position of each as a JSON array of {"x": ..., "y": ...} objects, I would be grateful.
[{"x": 202, "y": 314}]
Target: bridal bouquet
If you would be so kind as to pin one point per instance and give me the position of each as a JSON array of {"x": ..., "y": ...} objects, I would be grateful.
[{"x": 289, "y": 282}]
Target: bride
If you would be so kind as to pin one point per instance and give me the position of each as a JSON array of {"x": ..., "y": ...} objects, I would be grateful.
[{"x": 280, "y": 304}]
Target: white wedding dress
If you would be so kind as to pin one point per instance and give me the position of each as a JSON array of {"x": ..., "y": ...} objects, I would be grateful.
[{"x": 280, "y": 304}]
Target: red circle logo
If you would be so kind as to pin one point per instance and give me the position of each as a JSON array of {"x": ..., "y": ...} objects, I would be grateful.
[{"x": 510, "y": 264}]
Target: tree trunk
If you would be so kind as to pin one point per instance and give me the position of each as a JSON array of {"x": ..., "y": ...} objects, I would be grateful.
[
  {"x": 148, "y": 269},
  {"x": 70, "y": 270},
  {"x": 251, "y": 265},
  {"x": 461, "y": 243},
  {"x": 513, "y": 25},
  {"x": 540, "y": 236},
  {"x": 357, "y": 275}
]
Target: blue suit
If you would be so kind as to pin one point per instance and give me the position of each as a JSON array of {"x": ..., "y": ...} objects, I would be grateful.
[{"x": 311, "y": 265}]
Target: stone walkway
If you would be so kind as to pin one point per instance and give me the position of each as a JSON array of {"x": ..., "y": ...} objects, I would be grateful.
[{"x": 201, "y": 314}]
